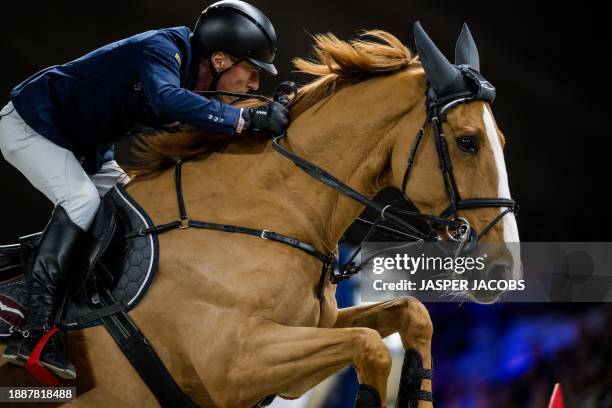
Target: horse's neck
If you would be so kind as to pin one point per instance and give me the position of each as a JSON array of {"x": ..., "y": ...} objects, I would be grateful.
[{"x": 348, "y": 137}]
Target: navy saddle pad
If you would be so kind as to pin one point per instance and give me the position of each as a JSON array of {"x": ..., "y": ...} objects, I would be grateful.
[{"x": 126, "y": 269}]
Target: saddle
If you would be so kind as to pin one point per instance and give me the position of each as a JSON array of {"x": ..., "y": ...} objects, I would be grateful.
[
  {"x": 119, "y": 279},
  {"x": 123, "y": 271}
]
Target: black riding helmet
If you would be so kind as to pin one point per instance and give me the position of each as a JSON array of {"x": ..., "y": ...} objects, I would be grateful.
[{"x": 238, "y": 29}]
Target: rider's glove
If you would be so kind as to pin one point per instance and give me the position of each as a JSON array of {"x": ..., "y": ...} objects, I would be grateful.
[{"x": 271, "y": 118}]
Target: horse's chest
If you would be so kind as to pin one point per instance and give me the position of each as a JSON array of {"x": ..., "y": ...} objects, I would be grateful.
[
  {"x": 302, "y": 309},
  {"x": 297, "y": 311}
]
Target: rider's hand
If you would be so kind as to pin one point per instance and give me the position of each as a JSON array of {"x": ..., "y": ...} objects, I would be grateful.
[{"x": 269, "y": 118}]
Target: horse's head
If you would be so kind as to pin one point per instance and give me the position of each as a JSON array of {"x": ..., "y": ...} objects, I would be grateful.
[{"x": 456, "y": 169}]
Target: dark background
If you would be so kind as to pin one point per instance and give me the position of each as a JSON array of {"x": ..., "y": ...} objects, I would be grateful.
[
  {"x": 546, "y": 62},
  {"x": 549, "y": 66}
]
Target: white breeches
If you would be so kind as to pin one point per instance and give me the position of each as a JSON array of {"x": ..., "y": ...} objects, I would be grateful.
[{"x": 55, "y": 171}]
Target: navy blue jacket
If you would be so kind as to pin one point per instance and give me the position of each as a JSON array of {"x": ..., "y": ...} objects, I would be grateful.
[{"x": 93, "y": 101}]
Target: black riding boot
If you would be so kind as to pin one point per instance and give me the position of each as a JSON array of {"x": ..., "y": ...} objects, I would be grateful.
[{"x": 56, "y": 257}]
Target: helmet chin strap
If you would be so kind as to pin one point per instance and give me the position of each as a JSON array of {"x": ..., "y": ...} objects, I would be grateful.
[{"x": 216, "y": 75}]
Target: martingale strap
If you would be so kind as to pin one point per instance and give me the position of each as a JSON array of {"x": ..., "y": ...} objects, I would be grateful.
[
  {"x": 436, "y": 114},
  {"x": 184, "y": 222}
]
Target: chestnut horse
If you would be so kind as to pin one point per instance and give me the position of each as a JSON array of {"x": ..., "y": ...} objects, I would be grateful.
[{"x": 236, "y": 318}]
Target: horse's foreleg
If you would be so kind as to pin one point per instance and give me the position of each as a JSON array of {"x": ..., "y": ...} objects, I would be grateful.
[
  {"x": 275, "y": 359},
  {"x": 407, "y": 316}
]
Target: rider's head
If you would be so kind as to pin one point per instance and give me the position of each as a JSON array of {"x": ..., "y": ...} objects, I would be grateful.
[{"x": 233, "y": 40}]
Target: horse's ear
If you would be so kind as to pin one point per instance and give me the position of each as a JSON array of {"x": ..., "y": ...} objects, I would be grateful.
[
  {"x": 439, "y": 72},
  {"x": 466, "y": 52}
]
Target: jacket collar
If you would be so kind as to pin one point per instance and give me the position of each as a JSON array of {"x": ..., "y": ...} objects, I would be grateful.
[{"x": 192, "y": 70}]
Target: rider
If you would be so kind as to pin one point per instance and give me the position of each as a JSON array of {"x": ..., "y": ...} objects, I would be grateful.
[{"x": 61, "y": 123}]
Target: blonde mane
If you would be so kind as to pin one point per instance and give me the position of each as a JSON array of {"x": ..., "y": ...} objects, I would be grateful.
[{"x": 336, "y": 63}]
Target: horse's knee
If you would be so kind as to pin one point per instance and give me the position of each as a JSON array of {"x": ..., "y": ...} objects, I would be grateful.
[
  {"x": 415, "y": 319},
  {"x": 371, "y": 350}
]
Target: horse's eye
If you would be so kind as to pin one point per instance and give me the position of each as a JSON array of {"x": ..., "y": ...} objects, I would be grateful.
[{"x": 468, "y": 144}]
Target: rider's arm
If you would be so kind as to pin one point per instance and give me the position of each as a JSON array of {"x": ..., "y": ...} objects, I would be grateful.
[{"x": 160, "y": 75}]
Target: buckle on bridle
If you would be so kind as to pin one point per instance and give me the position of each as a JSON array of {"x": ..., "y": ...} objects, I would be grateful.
[
  {"x": 461, "y": 233},
  {"x": 382, "y": 212},
  {"x": 184, "y": 222}
]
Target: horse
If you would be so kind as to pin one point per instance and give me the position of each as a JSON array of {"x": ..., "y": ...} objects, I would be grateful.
[{"x": 236, "y": 318}]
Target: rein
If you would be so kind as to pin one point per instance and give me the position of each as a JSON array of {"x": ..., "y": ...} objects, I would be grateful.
[
  {"x": 462, "y": 232},
  {"x": 458, "y": 228}
]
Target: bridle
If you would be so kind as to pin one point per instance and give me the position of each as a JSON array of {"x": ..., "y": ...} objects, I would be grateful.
[
  {"x": 464, "y": 231},
  {"x": 458, "y": 228}
]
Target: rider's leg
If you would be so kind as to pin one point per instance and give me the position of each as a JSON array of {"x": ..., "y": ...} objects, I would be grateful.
[
  {"x": 56, "y": 173},
  {"x": 51, "y": 169},
  {"x": 109, "y": 174},
  {"x": 55, "y": 259}
]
